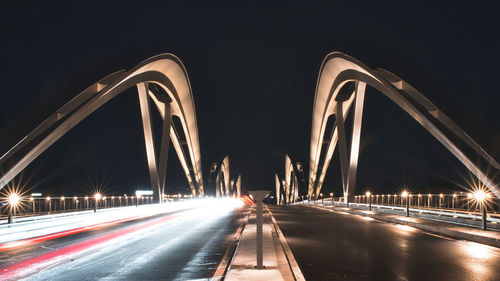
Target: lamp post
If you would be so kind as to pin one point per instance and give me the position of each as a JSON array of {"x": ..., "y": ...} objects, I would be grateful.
[
  {"x": 64, "y": 203},
  {"x": 453, "y": 201},
  {"x": 331, "y": 194},
  {"x": 97, "y": 197},
  {"x": 33, "y": 201},
  {"x": 481, "y": 196},
  {"x": 321, "y": 194},
  {"x": 369, "y": 198},
  {"x": 13, "y": 201},
  {"x": 405, "y": 194},
  {"x": 50, "y": 205}
]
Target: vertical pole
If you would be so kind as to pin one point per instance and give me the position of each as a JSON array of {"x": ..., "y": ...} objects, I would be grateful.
[
  {"x": 259, "y": 233},
  {"x": 95, "y": 204},
  {"x": 10, "y": 220},
  {"x": 483, "y": 207},
  {"x": 408, "y": 206}
]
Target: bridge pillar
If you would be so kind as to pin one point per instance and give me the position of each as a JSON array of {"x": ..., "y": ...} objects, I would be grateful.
[
  {"x": 349, "y": 161},
  {"x": 157, "y": 172}
]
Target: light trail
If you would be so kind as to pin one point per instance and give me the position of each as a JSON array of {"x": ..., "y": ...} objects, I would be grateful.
[{"x": 215, "y": 208}]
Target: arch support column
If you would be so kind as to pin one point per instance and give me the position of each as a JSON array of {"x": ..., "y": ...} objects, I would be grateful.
[
  {"x": 349, "y": 160},
  {"x": 157, "y": 171}
]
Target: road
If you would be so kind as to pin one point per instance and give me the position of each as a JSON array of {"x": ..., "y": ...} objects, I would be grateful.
[
  {"x": 339, "y": 246},
  {"x": 179, "y": 245}
]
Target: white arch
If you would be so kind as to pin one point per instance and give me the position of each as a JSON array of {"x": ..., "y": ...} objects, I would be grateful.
[
  {"x": 164, "y": 70},
  {"x": 338, "y": 69}
]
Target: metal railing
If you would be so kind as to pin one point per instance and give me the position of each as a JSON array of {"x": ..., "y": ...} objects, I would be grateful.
[{"x": 35, "y": 206}]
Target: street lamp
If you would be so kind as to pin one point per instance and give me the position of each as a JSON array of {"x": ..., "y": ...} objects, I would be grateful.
[
  {"x": 321, "y": 194},
  {"x": 13, "y": 201},
  {"x": 480, "y": 196},
  {"x": 453, "y": 200},
  {"x": 50, "y": 204},
  {"x": 33, "y": 202},
  {"x": 64, "y": 203},
  {"x": 331, "y": 194},
  {"x": 97, "y": 197},
  {"x": 369, "y": 196},
  {"x": 405, "y": 194}
]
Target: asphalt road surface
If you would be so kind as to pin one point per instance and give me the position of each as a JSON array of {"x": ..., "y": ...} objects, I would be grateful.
[
  {"x": 339, "y": 246},
  {"x": 181, "y": 245}
]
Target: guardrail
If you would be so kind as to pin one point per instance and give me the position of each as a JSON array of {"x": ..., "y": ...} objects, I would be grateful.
[{"x": 451, "y": 215}]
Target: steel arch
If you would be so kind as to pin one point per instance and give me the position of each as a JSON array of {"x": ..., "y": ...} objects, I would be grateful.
[
  {"x": 166, "y": 71},
  {"x": 338, "y": 69}
]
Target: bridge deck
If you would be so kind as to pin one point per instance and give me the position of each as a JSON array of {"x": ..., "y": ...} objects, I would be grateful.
[{"x": 336, "y": 246}]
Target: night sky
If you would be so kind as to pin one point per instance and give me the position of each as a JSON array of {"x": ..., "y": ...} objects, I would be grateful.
[{"x": 253, "y": 70}]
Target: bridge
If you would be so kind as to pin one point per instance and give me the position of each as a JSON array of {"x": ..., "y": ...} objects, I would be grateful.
[{"x": 210, "y": 233}]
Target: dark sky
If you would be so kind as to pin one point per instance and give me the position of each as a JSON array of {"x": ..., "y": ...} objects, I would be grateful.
[{"x": 253, "y": 70}]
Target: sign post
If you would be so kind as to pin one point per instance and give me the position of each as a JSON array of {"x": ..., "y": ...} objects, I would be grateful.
[{"x": 259, "y": 196}]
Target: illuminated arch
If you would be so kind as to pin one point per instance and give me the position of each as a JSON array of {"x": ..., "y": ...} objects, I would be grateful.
[
  {"x": 337, "y": 71},
  {"x": 165, "y": 71},
  {"x": 222, "y": 181},
  {"x": 291, "y": 186}
]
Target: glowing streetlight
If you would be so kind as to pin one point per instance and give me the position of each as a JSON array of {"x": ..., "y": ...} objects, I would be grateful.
[
  {"x": 369, "y": 198},
  {"x": 13, "y": 201},
  {"x": 64, "y": 203},
  {"x": 97, "y": 197},
  {"x": 331, "y": 194},
  {"x": 321, "y": 194},
  {"x": 405, "y": 194},
  {"x": 50, "y": 203},
  {"x": 480, "y": 196}
]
